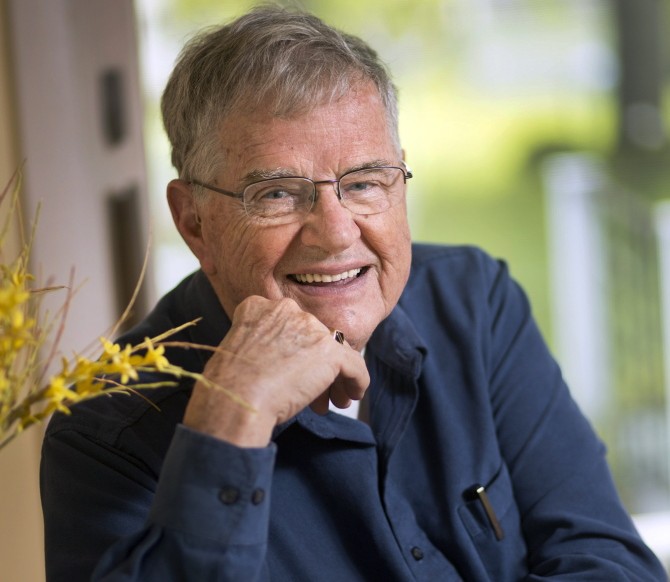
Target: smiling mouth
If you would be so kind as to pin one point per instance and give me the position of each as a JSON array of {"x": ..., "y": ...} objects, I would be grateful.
[{"x": 312, "y": 278}]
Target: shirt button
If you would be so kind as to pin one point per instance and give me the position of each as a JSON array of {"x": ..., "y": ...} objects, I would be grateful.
[
  {"x": 417, "y": 553},
  {"x": 229, "y": 495},
  {"x": 257, "y": 496}
]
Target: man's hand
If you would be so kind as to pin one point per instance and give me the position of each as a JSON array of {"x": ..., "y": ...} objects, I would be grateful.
[{"x": 278, "y": 359}]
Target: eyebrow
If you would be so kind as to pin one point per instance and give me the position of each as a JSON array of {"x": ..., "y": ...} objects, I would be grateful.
[
  {"x": 369, "y": 165},
  {"x": 264, "y": 174},
  {"x": 267, "y": 174}
]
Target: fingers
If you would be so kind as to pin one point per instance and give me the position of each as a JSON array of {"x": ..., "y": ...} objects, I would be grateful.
[
  {"x": 349, "y": 385},
  {"x": 339, "y": 398},
  {"x": 321, "y": 404},
  {"x": 279, "y": 359},
  {"x": 353, "y": 380}
]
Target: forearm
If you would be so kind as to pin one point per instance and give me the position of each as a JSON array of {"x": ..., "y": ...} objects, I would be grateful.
[{"x": 572, "y": 518}]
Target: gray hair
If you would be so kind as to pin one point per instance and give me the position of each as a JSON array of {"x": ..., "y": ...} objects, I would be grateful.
[{"x": 285, "y": 61}]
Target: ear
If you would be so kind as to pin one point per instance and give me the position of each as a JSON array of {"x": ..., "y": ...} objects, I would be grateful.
[
  {"x": 188, "y": 221},
  {"x": 403, "y": 155}
]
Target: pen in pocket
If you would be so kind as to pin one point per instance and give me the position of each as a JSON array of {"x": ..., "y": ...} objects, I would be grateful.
[{"x": 480, "y": 491}]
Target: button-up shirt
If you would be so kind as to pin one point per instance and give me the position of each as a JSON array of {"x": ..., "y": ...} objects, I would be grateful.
[{"x": 476, "y": 463}]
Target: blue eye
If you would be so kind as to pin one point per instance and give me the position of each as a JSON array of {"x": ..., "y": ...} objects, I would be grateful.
[
  {"x": 276, "y": 195},
  {"x": 371, "y": 183},
  {"x": 280, "y": 191},
  {"x": 360, "y": 186}
]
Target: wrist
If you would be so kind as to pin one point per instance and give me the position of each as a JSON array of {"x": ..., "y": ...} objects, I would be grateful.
[{"x": 231, "y": 423}]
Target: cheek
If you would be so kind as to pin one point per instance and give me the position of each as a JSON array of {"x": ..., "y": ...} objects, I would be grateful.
[
  {"x": 224, "y": 238},
  {"x": 397, "y": 264},
  {"x": 238, "y": 243},
  {"x": 391, "y": 241},
  {"x": 388, "y": 236},
  {"x": 246, "y": 259}
]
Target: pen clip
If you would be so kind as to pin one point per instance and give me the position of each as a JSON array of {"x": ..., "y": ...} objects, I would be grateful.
[{"x": 480, "y": 490}]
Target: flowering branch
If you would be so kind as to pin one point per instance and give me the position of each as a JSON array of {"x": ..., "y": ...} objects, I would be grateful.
[{"x": 26, "y": 398}]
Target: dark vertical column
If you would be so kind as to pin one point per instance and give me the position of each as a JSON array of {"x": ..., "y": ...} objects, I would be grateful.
[{"x": 640, "y": 24}]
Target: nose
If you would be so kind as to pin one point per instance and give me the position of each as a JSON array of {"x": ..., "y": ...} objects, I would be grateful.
[{"x": 329, "y": 225}]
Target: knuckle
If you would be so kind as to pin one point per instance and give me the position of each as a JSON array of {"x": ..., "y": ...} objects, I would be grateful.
[
  {"x": 249, "y": 309},
  {"x": 248, "y": 303},
  {"x": 286, "y": 303}
]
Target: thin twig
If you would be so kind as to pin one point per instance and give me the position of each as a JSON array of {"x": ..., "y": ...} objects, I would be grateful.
[
  {"x": 136, "y": 291},
  {"x": 48, "y": 289},
  {"x": 61, "y": 328},
  {"x": 174, "y": 330},
  {"x": 17, "y": 173}
]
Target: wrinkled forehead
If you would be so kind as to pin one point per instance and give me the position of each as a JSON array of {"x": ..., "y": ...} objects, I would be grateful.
[
  {"x": 253, "y": 120},
  {"x": 295, "y": 97},
  {"x": 354, "y": 120},
  {"x": 300, "y": 107}
]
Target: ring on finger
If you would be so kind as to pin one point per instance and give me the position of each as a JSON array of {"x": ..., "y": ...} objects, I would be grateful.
[{"x": 338, "y": 336}]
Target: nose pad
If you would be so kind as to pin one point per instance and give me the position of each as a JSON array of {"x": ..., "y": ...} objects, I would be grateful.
[{"x": 336, "y": 188}]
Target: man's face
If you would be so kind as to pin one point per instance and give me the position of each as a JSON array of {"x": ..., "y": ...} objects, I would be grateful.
[{"x": 243, "y": 258}]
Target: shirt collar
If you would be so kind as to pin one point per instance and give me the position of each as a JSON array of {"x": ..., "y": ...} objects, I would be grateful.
[
  {"x": 203, "y": 303},
  {"x": 398, "y": 344}
]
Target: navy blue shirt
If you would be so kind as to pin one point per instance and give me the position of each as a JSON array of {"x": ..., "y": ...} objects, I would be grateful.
[{"x": 464, "y": 399}]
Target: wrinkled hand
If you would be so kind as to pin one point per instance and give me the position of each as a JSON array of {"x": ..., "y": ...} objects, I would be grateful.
[{"x": 279, "y": 359}]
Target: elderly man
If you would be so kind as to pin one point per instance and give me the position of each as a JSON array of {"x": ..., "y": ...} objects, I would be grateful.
[{"x": 466, "y": 458}]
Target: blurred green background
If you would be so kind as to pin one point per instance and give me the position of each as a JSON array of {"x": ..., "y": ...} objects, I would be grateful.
[{"x": 536, "y": 130}]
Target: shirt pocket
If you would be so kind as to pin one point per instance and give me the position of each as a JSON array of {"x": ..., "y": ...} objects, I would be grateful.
[{"x": 504, "y": 559}]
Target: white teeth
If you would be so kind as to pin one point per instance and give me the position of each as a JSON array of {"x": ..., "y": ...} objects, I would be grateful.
[{"x": 319, "y": 278}]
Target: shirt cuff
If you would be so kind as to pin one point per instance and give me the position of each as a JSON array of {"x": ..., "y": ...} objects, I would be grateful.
[{"x": 213, "y": 489}]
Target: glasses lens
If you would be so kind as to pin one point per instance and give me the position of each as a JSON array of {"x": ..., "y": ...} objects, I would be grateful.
[
  {"x": 373, "y": 190},
  {"x": 279, "y": 199}
]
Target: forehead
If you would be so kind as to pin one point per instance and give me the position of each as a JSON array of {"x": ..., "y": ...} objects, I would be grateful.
[{"x": 329, "y": 138}]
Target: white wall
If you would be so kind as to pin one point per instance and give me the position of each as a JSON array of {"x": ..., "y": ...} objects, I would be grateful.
[{"x": 60, "y": 50}]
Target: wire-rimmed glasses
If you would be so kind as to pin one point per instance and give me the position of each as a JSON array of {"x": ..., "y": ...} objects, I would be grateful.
[{"x": 287, "y": 199}]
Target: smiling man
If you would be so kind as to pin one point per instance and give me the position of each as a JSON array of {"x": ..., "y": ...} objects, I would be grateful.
[{"x": 466, "y": 459}]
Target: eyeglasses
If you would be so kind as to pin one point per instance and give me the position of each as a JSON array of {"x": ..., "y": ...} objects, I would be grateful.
[{"x": 285, "y": 200}]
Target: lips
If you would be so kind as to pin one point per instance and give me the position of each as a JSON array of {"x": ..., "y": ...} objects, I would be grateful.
[{"x": 306, "y": 278}]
